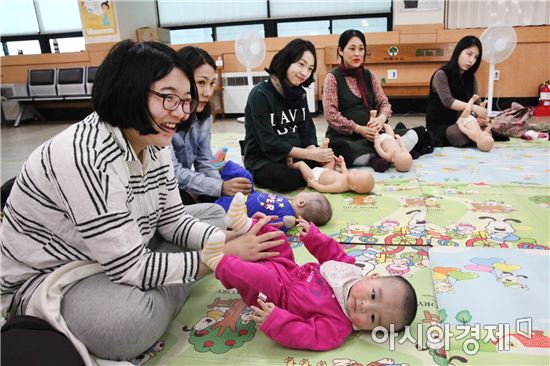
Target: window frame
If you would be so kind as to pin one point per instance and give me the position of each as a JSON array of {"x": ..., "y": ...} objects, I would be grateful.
[
  {"x": 43, "y": 39},
  {"x": 270, "y": 24}
]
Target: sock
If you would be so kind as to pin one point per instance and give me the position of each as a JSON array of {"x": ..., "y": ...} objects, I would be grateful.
[
  {"x": 212, "y": 253},
  {"x": 236, "y": 218},
  {"x": 218, "y": 160},
  {"x": 362, "y": 160},
  {"x": 410, "y": 139}
]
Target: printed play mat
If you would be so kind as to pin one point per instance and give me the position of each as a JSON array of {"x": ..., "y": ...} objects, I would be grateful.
[{"x": 469, "y": 230}]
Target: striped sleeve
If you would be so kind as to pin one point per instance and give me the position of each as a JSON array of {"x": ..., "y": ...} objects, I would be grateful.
[
  {"x": 95, "y": 197},
  {"x": 177, "y": 226}
]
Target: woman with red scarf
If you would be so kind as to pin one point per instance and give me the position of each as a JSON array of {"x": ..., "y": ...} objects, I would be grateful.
[{"x": 356, "y": 107}]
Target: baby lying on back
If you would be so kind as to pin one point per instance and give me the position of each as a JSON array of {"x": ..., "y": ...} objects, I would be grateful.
[{"x": 334, "y": 177}]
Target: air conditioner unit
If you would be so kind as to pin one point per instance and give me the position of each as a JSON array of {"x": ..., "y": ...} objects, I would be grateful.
[
  {"x": 236, "y": 89},
  {"x": 11, "y": 108}
]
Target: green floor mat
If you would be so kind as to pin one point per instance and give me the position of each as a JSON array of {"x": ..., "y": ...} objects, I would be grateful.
[{"x": 213, "y": 327}]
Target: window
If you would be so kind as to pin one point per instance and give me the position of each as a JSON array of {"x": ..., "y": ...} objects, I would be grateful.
[
  {"x": 70, "y": 44},
  {"x": 195, "y": 35},
  {"x": 315, "y": 8},
  {"x": 58, "y": 16},
  {"x": 231, "y": 32},
  {"x": 311, "y": 28},
  {"x": 24, "y": 48},
  {"x": 18, "y": 17},
  {"x": 174, "y": 12},
  {"x": 363, "y": 24}
]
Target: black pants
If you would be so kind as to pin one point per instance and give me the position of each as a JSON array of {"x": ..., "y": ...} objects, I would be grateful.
[
  {"x": 187, "y": 199},
  {"x": 279, "y": 177}
]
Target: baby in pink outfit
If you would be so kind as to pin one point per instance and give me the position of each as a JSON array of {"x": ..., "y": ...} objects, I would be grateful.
[{"x": 317, "y": 305}]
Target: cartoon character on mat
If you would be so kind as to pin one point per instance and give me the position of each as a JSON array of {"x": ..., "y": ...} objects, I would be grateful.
[
  {"x": 443, "y": 278},
  {"x": 226, "y": 326},
  {"x": 389, "y": 226},
  {"x": 417, "y": 224},
  {"x": 387, "y": 362},
  {"x": 463, "y": 230},
  {"x": 399, "y": 267},
  {"x": 501, "y": 270},
  {"x": 511, "y": 280},
  {"x": 151, "y": 353},
  {"x": 500, "y": 230}
]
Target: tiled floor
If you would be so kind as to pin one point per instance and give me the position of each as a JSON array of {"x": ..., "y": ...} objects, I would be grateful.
[{"x": 18, "y": 143}]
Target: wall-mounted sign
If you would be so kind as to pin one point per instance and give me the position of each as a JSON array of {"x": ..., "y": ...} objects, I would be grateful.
[
  {"x": 393, "y": 51},
  {"x": 98, "y": 18}
]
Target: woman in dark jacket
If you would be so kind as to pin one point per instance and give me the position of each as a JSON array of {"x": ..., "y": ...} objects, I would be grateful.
[
  {"x": 278, "y": 123},
  {"x": 451, "y": 87}
]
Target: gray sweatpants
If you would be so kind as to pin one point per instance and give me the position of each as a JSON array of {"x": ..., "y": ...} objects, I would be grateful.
[{"x": 119, "y": 322}]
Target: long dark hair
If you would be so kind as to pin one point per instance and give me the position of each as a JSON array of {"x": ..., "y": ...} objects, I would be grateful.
[
  {"x": 291, "y": 53},
  {"x": 345, "y": 38},
  {"x": 195, "y": 57},
  {"x": 451, "y": 68},
  {"x": 464, "y": 43}
]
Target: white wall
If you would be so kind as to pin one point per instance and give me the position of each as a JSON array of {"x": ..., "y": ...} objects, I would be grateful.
[
  {"x": 132, "y": 14},
  {"x": 418, "y": 16}
]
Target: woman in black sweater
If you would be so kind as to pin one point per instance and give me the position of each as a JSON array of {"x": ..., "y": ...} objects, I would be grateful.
[
  {"x": 278, "y": 123},
  {"x": 450, "y": 89}
]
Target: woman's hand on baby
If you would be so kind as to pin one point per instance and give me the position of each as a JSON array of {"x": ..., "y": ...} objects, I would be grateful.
[
  {"x": 301, "y": 223},
  {"x": 260, "y": 315},
  {"x": 235, "y": 185},
  {"x": 252, "y": 247},
  {"x": 483, "y": 118},
  {"x": 322, "y": 155},
  {"x": 260, "y": 215},
  {"x": 376, "y": 123},
  {"x": 367, "y": 132},
  {"x": 480, "y": 111}
]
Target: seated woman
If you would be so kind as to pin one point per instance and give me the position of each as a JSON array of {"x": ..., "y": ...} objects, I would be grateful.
[
  {"x": 191, "y": 143},
  {"x": 94, "y": 195},
  {"x": 355, "y": 106},
  {"x": 451, "y": 86},
  {"x": 278, "y": 123}
]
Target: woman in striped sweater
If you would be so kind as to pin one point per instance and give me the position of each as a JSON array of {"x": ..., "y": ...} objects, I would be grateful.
[{"x": 97, "y": 193}]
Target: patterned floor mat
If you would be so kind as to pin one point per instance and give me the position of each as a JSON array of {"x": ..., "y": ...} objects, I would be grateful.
[
  {"x": 494, "y": 304},
  {"x": 460, "y": 212}
]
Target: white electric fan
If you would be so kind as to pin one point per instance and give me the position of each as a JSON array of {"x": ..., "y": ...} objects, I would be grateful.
[
  {"x": 498, "y": 43},
  {"x": 250, "y": 50}
]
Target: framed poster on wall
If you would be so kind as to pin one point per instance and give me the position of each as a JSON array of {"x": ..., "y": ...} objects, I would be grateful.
[
  {"x": 98, "y": 18},
  {"x": 421, "y": 5}
]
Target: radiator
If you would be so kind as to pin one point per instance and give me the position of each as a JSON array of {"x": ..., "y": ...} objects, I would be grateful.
[{"x": 236, "y": 89}]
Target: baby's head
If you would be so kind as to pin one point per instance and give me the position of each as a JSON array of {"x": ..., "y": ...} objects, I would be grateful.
[
  {"x": 360, "y": 181},
  {"x": 380, "y": 301},
  {"x": 485, "y": 141},
  {"x": 313, "y": 207},
  {"x": 402, "y": 160}
]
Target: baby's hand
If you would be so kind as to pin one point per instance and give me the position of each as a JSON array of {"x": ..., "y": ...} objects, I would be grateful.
[
  {"x": 304, "y": 225},
  {"x": 260, "y": 315}
]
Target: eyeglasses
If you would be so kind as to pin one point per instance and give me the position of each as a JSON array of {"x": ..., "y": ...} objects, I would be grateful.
[{"x": 171, "y": 101}]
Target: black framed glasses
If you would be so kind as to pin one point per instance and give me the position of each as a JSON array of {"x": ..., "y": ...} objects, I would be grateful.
[{"x": 171, "y": 101}]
